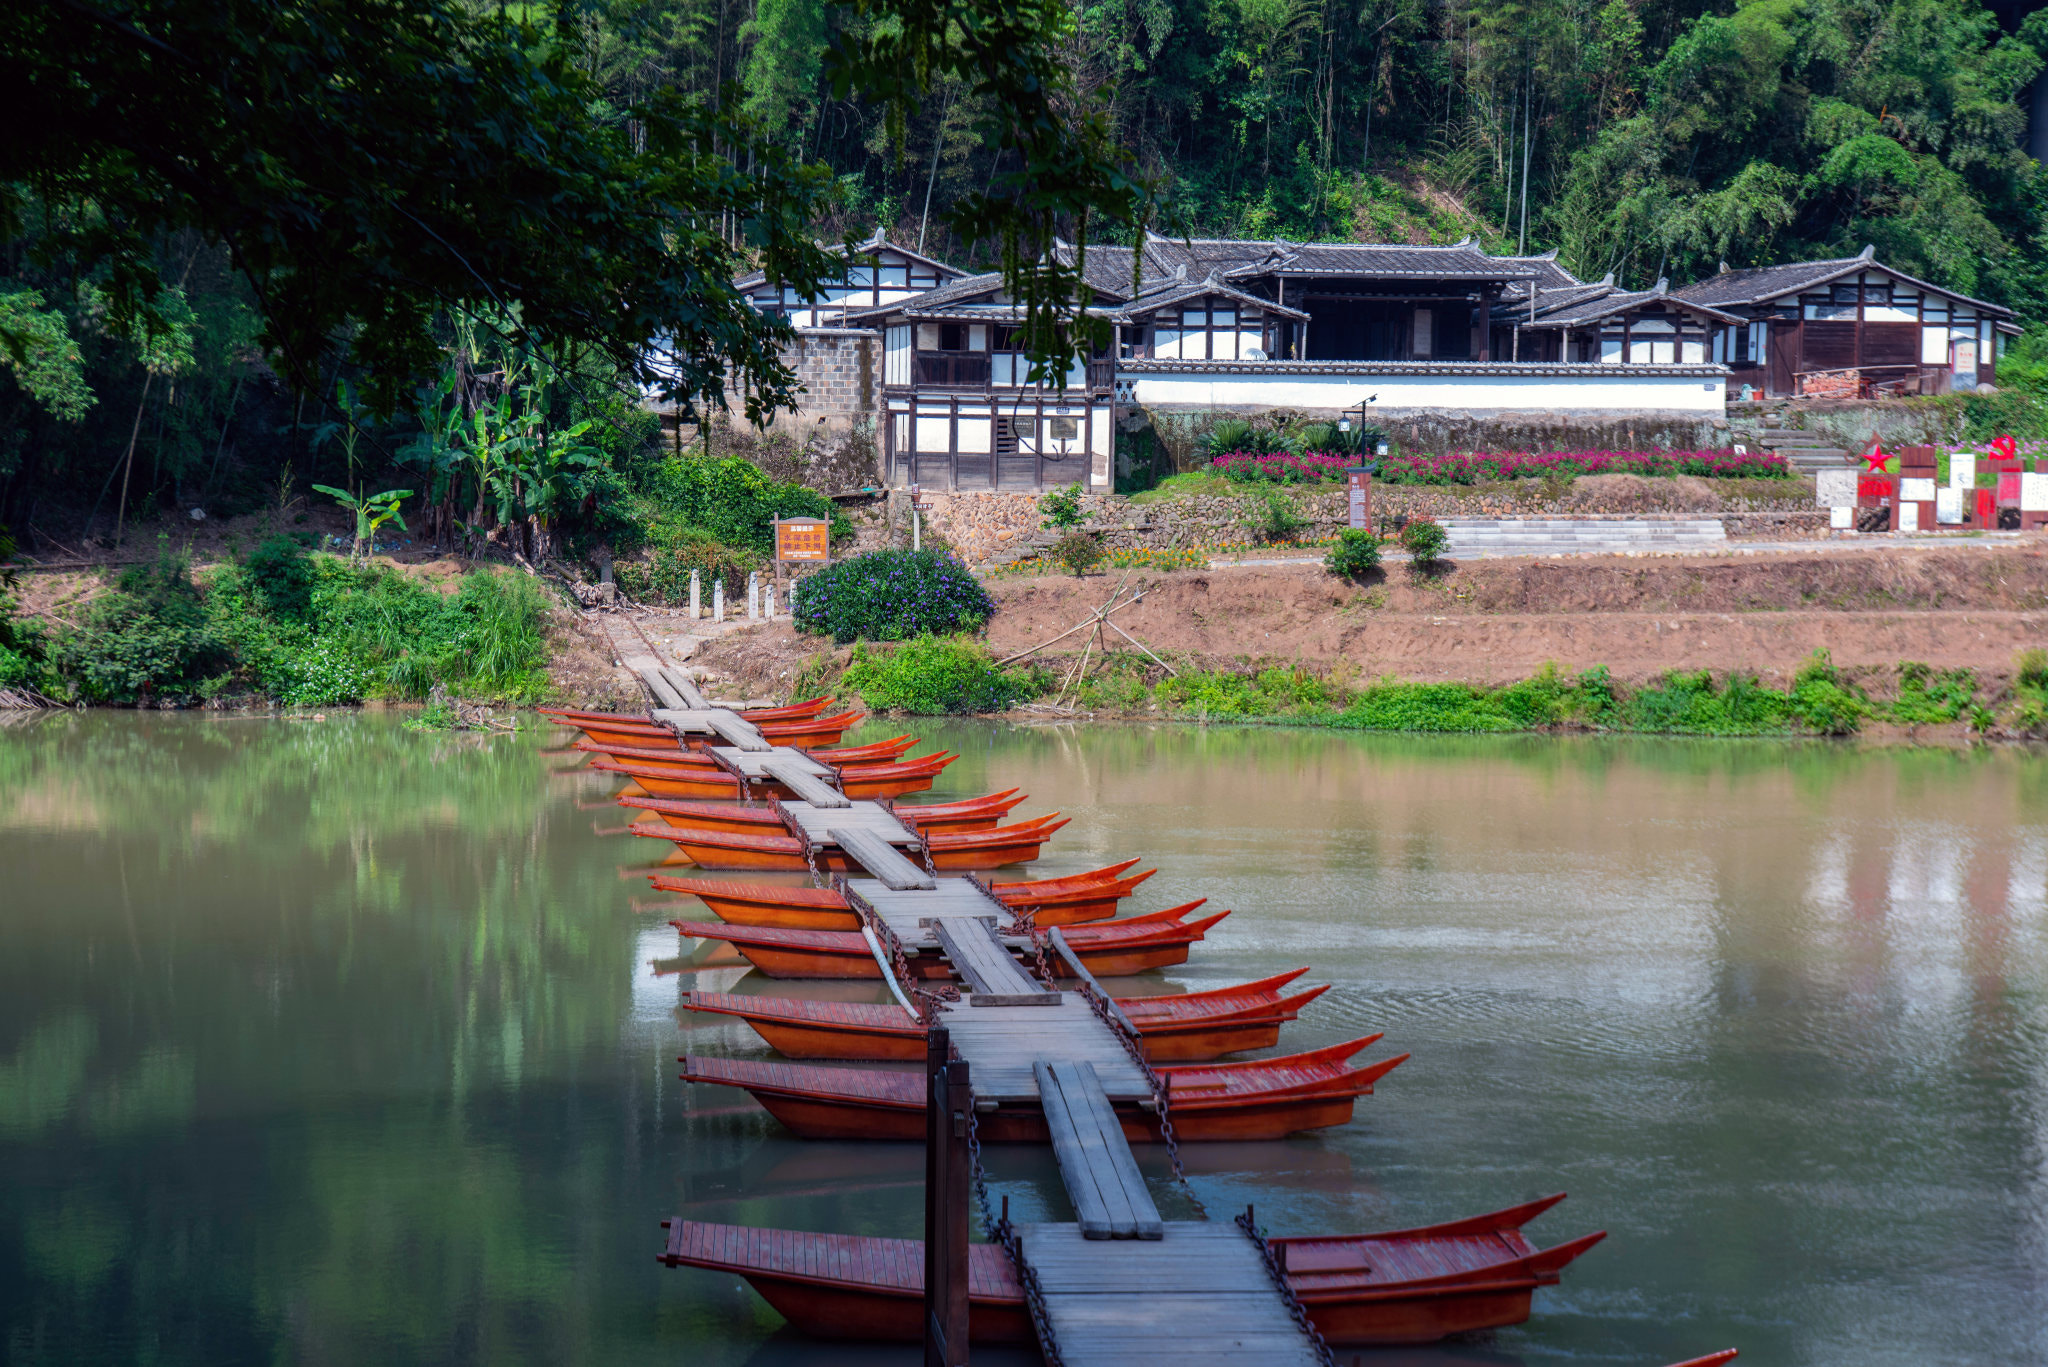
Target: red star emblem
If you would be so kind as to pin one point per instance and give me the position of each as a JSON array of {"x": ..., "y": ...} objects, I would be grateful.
[{"x": 1874, "y": 459}]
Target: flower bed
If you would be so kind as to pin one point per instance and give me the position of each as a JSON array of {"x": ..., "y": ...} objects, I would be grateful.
[{"x": 1493, "y": 467}]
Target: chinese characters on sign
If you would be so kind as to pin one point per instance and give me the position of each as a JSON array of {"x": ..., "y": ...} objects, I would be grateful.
[{"x": 802, "y": 539}]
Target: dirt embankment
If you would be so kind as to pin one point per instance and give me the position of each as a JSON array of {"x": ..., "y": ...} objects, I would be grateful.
[{"x": 1495, "y": 621}]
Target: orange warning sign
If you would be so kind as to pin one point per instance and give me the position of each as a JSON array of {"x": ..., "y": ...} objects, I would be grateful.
[{"x": 802, "y": 538}]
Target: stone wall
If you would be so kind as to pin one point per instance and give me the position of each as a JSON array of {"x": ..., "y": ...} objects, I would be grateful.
[{"x": 987, "y": 528}]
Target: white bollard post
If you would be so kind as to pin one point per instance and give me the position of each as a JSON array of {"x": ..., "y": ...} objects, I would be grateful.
[
  {"x": 696, "y": 597},
  {"x": 753, "y": 596},
  {"x": 718, "y": 599},
  {"x": 768, "y": 602}
]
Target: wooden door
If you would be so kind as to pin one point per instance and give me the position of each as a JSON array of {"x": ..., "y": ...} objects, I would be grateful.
[{"x": 1784, "y": 357}]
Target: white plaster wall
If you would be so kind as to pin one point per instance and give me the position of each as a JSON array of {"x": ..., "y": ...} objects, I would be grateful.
[{"x": 1631, "y": 391}]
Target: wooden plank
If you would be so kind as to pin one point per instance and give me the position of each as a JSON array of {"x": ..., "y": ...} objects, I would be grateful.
[
  {"x": 748, "y": 763},
  {"x": 1080, "y": 970},
  {"x": 880, "y": 858},
  {"x": 741, "y": 733},
  {"x": 684, "y": 721},
  {"x": 888, "y": 973},
  {"x": 1070, "y": 1148},
  {"x": 663, "y": 692},
  {"x": 971, "y": 947},
  {"x": 804, "y": 784},
  {"x": 1095, "y": 1162},
  {"x": 685, "y": 687}
]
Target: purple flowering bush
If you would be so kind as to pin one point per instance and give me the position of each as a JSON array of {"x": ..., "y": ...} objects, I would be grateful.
[
  {"x": 1489, "y": 467},
  {"x": 891, "y": 596}
]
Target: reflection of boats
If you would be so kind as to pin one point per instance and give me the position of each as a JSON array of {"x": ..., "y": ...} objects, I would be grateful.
[
  {"x": 1193, "y": 1025},
  {"x": 1052, "y": 901},
  {"x": 856, "y": 781},
  {"x": 1110, "y": 949},
  {"x": 980, "y": 849},
  {"x": 877, "y": 752},
  {"x": 1261, "y": 1099},
  {"x": 1407, "y": 1286},
  {"x": 971, "y": 814}
]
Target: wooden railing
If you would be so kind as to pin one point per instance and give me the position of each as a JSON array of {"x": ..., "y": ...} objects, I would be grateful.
[{"x": 972, "y": 370}]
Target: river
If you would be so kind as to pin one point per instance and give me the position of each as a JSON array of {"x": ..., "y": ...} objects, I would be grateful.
[{"x": 332, "y": 1041}]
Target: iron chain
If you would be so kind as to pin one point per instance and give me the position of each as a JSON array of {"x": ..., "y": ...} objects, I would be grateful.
[
  {"x": 1000, "y": 1230},
  {"x": 1286, "y": 1289}
]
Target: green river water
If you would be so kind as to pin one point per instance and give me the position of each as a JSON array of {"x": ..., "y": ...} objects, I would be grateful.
[{"x": 326, "y": 1041}]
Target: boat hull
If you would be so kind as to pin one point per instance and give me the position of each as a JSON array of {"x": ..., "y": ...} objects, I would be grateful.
[
  {"x": 956, "y": 851},
  {"x": 882, "y": 781}
]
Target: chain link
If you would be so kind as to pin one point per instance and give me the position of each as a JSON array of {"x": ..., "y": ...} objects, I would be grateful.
[
  {"x": 998, "y": 1229},
  {"x": 1286, "y": 1289}
]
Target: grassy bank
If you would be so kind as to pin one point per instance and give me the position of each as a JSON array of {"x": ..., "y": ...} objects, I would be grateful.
[
  {"x": 286, "y": 627},
  {"x": 957, "y": 675}
]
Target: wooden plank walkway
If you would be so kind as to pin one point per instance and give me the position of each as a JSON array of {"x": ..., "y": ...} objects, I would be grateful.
[
  {"x": 1002, "y": 1043},
  {"x": 806, "y": 785},
  {"x": 753, "y": 764},
  {"x": 1095, "y": 1160},
  {"x": 1200, "y": 1296},
  {"x": 986, "y": 966},
  {"x": 910, "y": 914},
  {"x": 822, "y": 824},
  {"x": 875, "y": 854}
]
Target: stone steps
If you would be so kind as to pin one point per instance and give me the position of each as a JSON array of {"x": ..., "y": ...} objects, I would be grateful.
[{"x": 1540, "y": 536}]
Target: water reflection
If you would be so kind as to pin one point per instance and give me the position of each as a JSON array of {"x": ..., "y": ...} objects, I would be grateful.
[{"x": 334, "y": 1040}]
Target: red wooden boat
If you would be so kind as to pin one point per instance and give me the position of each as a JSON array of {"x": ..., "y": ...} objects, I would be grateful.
[
  {"x": 696, "y": 761},
  {"x": 1260, "y": 1099},
  {"x": 1053, "y": 901},
  {"x": 1188, "y": 1026},
  {"x": 1710, "y": 1360},
  {"x": 973, "y": 814},
  {"x": 571, "y": 716},
  {"x": 983, "y": 849},
  {"x": 804, "y": 732},
  {"x": 1410, "y": 1286},
  {"x": 857, "y": 781},
  {"x": 1110, "y": 949}
]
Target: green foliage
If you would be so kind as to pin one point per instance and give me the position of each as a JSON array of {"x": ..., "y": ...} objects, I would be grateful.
[
  {"x": 1079, "y": 552},
  {"x": 1357, "y": 551},
  {"x": 1274, "y": 515},
  {"x": 930, "y": 675},
  {"x": 282, "y": 574},
  {"x": 665, "y": 578},
  {"x": 1062, "y": 508},
  {"x": 1927, "y": 698},
  {"x": 891, "y": 595},
  {"x": 37, "y": 348},
  {"x": 1425, "y": 540},
  {"x": 151, "y": 640},
  {"x": 726, "y": 498},
  {"x": 371, "y": 511}
]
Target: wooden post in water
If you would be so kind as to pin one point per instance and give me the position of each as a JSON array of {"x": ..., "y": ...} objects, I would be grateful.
[{"x": 948, "y": 1104}]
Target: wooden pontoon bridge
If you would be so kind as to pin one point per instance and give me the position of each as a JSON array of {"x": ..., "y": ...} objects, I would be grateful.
[{"x": 995, "y": 985}]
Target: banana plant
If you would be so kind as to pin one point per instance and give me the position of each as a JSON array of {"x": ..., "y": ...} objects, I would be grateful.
[{"x": 372, "y": 512}]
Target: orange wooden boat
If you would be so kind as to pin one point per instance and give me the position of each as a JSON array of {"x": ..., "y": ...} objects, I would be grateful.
[
  {"x": 856, "y": 781},
  {"x": 571, "y": 716},
  {"x": 1261, "y": 1099},
  {"x": 1054, "y": 901},
  {"x": 1185, "y": 1027},
  {"x": 1110, "y": 949},
  {"x": 982, "y": 849},
  {"x": 973, "y": 814},
  {"x": 1409, "y": 1286},
  {"x": 653, "y": 735},
  {"x": 1710, "y": 1360},
  {"x": 696, "y": 761}
]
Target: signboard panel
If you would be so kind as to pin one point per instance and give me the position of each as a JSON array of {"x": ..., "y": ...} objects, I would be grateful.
[
  {"x": 1909, "y": 517},
  {"x": 1918, "y": 490},
  {"x": 803, "y": 540},
  {"x": 1842, "y": 519},
  {"x": 1359, "y": 480},
  {"x": 1948, "y": 505},
  {"x": 1962, "y": 470},
  {"x": 1834, "y": 488},
  {"x": 2033, "y": 492}
]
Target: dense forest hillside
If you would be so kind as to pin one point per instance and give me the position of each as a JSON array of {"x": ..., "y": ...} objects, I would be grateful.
[{"x": 1644, "y": 137}]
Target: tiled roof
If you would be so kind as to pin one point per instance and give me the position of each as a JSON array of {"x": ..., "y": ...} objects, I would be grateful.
[
  {"x": 1198, "y": 289},
  {"x": 1759, "y": 284},
  {"x": 964, "y": 290},
  {"x": 755, "y": 279},
  {"x": 1549, "y": 275},
  {"x": 1620, "y": 301},
  {"x": 1463, "y": 261}
]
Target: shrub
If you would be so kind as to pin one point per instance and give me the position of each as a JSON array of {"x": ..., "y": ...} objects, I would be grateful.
[
  {"x": 1244, "y": 467},
  {"x": 891, "y": 595},
  {"x": 665, "y": 577},
  {"x": 1274, "y": 517},
  {"x": 1425, "y": 540},
  {"x": 1926, "y": 697},
  {"x": 933, "y": 675},
  {"x": 1487, "y": 467},
  {"x": 282, "y": 574},
  {"x": 728, "y": 500},
  {"x": 1062, "y": 508},
  {"x": 1079, "y": 552},
  {"x": 2030, "y": 668},
  {"x": 151, "y": 639},
  {"x": 1357, "y": 551}
]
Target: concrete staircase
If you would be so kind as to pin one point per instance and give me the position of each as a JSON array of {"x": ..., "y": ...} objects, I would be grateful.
[
  {"x": 1804, "y": 451},
  {"x": 1555, "y": 535}
]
